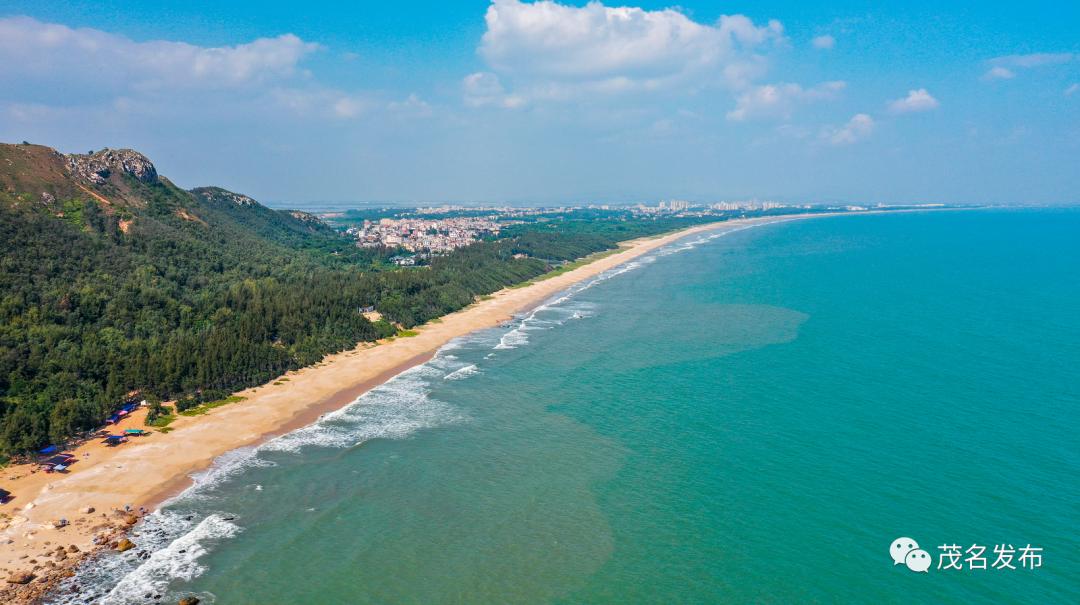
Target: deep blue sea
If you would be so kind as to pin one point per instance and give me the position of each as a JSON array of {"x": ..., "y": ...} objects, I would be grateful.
[{"x": 747, "y": 417}]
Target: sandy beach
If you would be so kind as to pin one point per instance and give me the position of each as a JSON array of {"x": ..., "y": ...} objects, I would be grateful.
[{"x": 147, "y": 470}]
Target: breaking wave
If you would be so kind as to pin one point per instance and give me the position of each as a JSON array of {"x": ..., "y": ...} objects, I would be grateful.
[{"x": 169, "y": 546}]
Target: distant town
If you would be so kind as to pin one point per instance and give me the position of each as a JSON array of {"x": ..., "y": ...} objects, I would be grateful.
[{"x": 437, "y": 230}]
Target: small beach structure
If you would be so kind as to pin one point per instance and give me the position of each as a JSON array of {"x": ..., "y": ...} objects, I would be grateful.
[
  {"x": 59, "y": 462},
  {"x": 52, "y": 449},
  {"x": 136, "y": 432},
  {"x": 4, "y": 495},
  {"x": 113, "y": 440}
]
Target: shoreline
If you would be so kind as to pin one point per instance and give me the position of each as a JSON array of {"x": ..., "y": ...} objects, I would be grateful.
[{"x": 148, "y": 472}]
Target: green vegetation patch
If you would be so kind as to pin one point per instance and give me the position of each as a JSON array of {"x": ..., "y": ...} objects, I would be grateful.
[
  {"x": 162, "y": 420},
  {"x": 203, "y": 408}
]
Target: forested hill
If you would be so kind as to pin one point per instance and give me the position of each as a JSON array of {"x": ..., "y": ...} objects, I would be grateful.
[{"x": 115, "y": 282}]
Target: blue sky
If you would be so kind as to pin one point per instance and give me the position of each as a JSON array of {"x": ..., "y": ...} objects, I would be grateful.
[{"x": 561, "y": 102}]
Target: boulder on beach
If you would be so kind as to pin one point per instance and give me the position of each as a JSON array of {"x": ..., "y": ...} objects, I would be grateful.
[
  {"x": 20, "y": 577},
  {"x": 124, "y": 545},
  {"x": 86, "y": 510},
  {"x": 131, "y": 520},
  {"x": 189, "y": 601}
]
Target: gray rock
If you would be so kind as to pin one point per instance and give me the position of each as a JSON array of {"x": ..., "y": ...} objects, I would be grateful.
[{"x": 97, "y": 167}]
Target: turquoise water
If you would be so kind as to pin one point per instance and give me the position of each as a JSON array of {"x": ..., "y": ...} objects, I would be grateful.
[{"x": 748, "y": 419}]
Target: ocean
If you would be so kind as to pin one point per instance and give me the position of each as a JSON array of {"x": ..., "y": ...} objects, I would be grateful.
[{"x": 751, "y": 416}]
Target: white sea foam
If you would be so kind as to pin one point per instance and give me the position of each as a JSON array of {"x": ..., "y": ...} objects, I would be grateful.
[
  {"x": 537, "y": 319},
  {"x": 392, "y": 410},
  {"x": 178, "y": 561},
  {"x": 225, "y": 466},
  {"x": 169, "y": 546},
  {"x": 462, "y": 373}
]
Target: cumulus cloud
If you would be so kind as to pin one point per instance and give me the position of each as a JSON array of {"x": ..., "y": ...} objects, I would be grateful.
[
  {"x": 484, "y": 89},
  {"x": 779, "y": 100},
  {"x": 551, "y": 49},
  {"x": 916, "y": 100},
  {"x": 1006, "y": 67},
  {"x": 856, "y": 129},
  {"x": 824, "y": 42},
  {"x": 37, "y": 51}
]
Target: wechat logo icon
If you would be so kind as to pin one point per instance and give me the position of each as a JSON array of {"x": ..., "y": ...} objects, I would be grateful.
[{"x": 906, "y": 551}]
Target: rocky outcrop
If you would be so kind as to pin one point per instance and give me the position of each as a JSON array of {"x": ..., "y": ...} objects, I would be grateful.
[
  {"x": 306, "y": 217},
  {"x": 224, "y": 196},
  {"x": 97, "y": 167}
]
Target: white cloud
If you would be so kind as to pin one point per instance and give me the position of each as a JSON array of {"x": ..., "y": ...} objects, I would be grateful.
[
  {"x": 824, "y": 42},
  {"x": 999, "y": 73},
  {"x": 321, "y": 102},
  {"x": 484, "y": 89},
  {"x": 856, "y": 129},
  {"x": 916, "y": 100},
  {"x": 779, "y": 100},
  {"x": 348, "y": 107},
  {"x": 554, "y": 50},
  {"x": 44, "y": 52},
  {"x": 1005, "y": 68}
]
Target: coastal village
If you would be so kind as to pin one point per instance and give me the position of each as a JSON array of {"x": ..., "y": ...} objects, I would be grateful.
[
  {"x": 430, "y": 235},
  {"x": 423, "y": 231}
]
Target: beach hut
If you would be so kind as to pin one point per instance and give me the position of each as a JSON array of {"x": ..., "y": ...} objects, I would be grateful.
[
  {"x": 52, "y": 449},
  {"x": 136, "y": 432},
  {"x": 115, "y": 439},
  {"x": 4, "y": 495}
]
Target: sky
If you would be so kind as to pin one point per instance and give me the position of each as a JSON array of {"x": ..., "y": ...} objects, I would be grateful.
[{"x": 561, "y": 102}]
